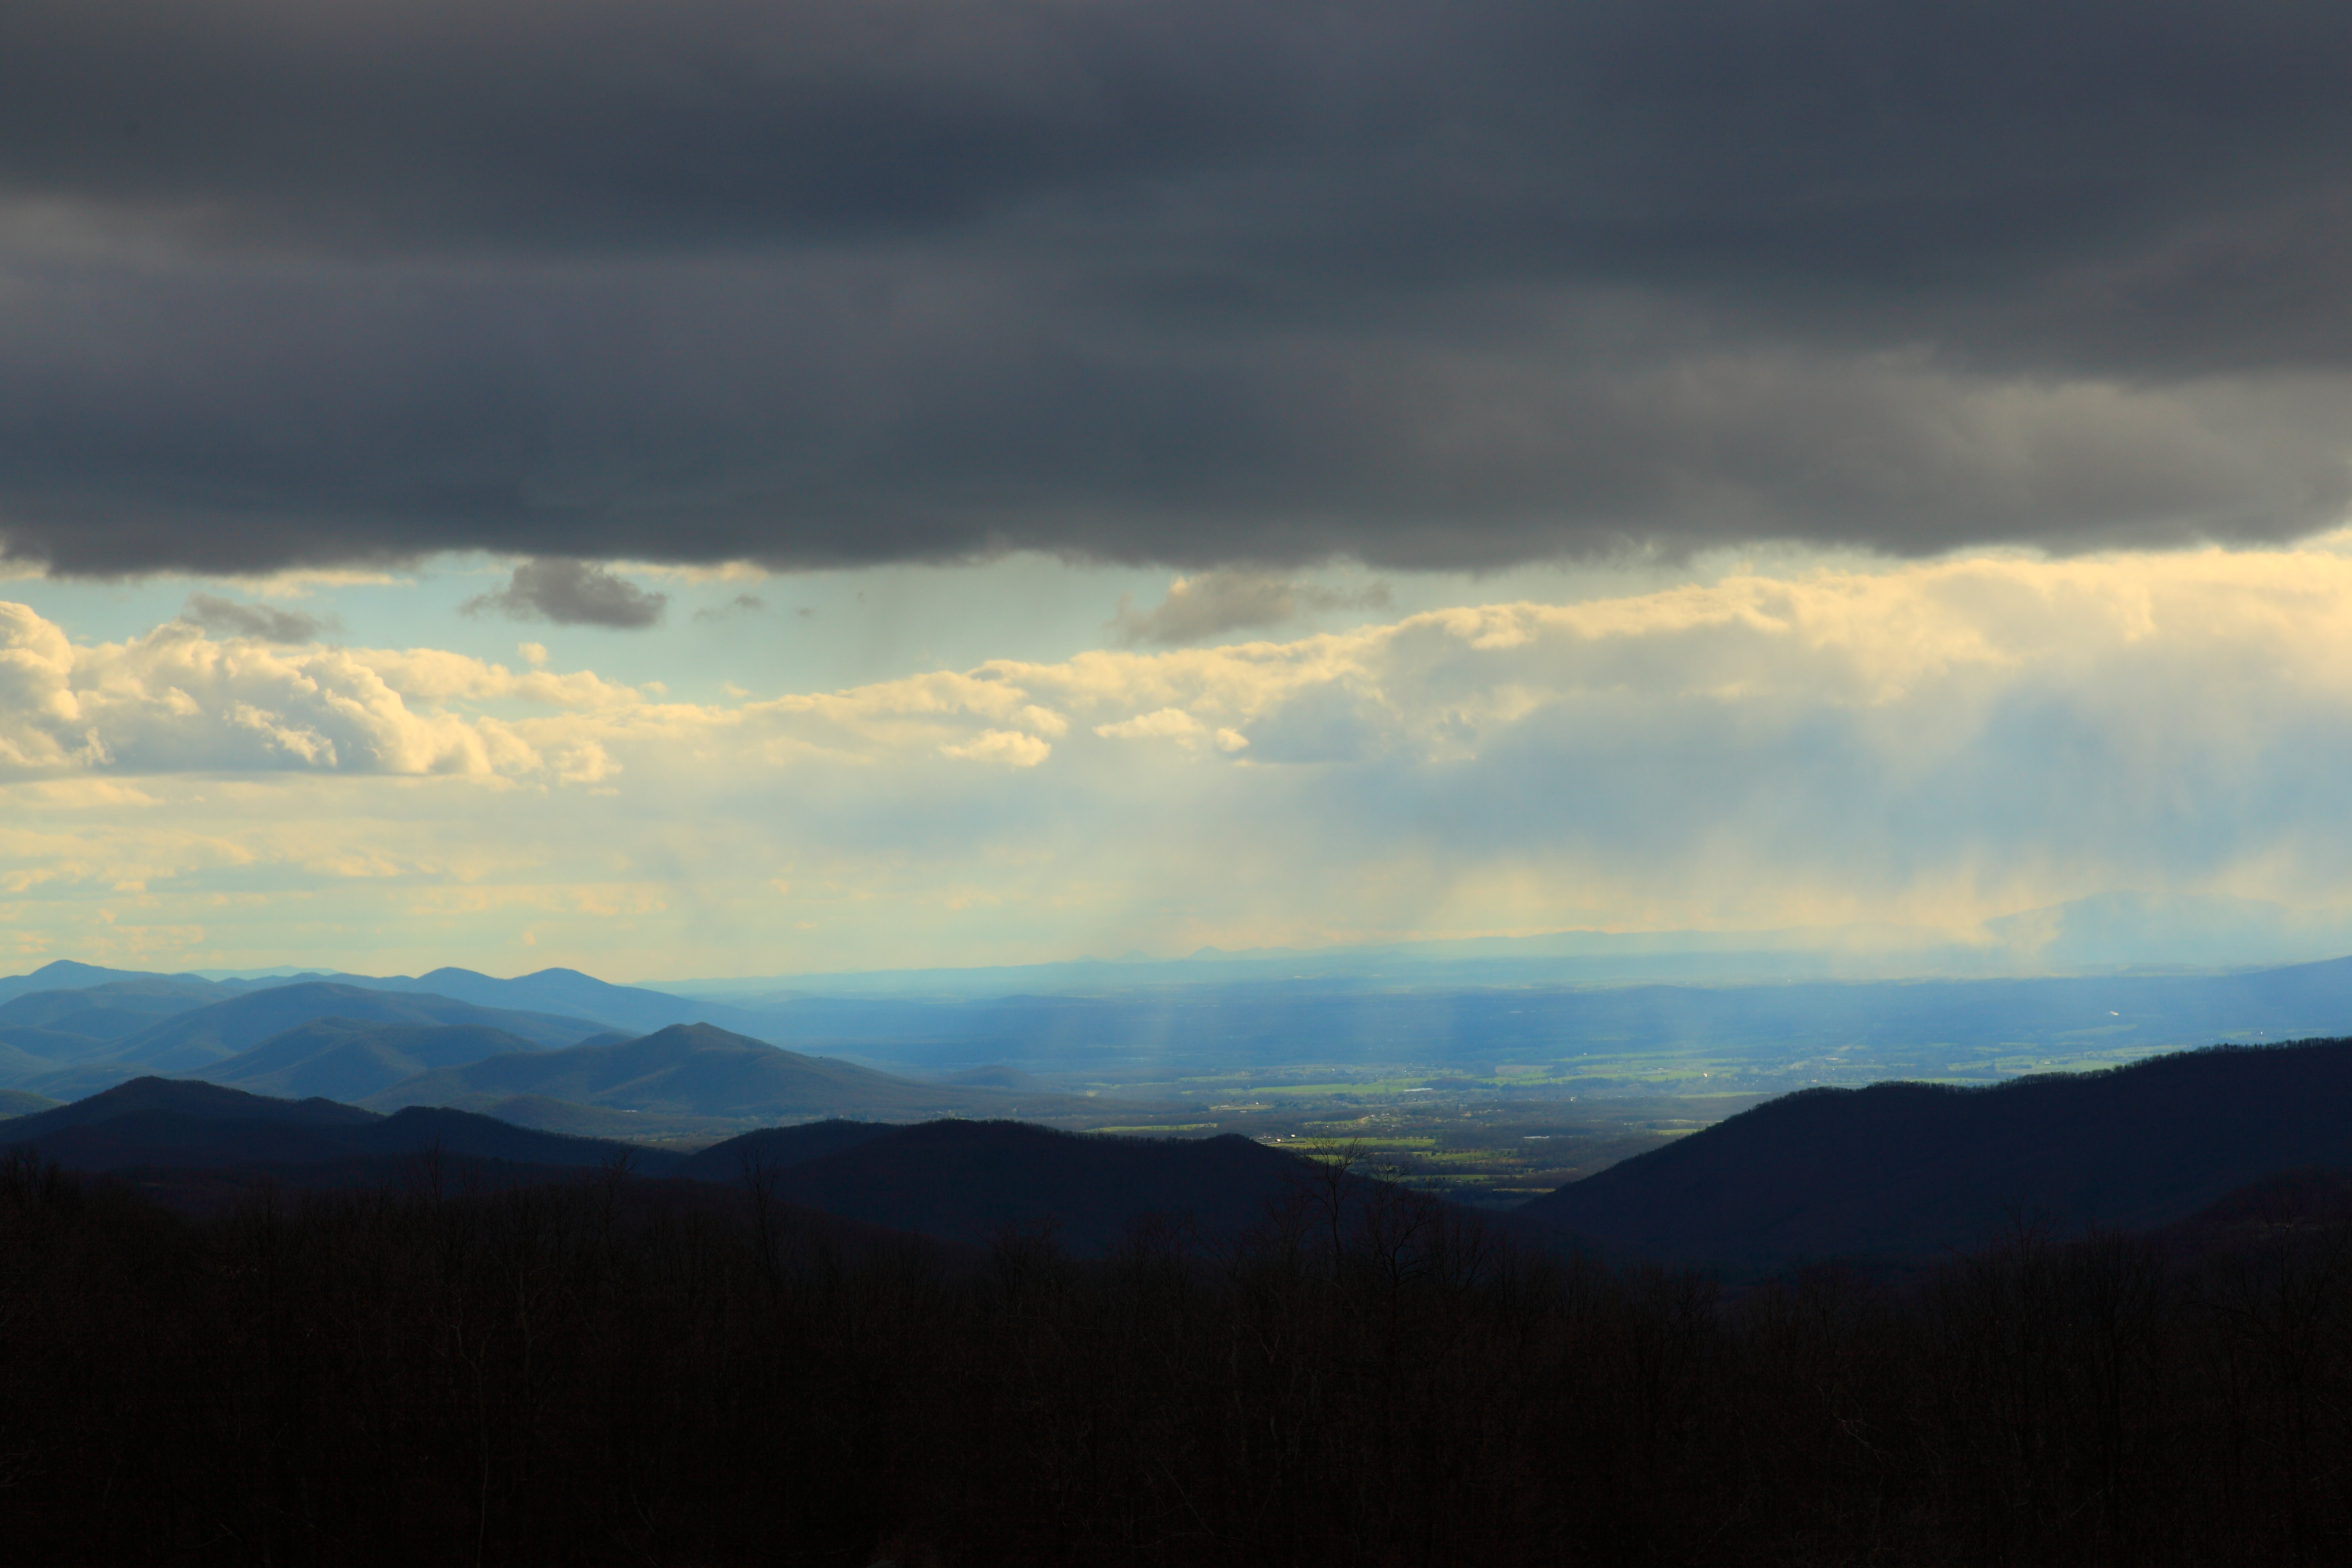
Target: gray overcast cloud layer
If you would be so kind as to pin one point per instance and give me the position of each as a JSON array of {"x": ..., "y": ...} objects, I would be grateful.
[{"x": 1210, "y": 282}]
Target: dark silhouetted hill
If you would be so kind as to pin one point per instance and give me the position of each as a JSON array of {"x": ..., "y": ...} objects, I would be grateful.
[
  {"x": 204, "y": 1101},
  {"x": 175, "y": 1140},
  {"x": 777, "y": 1147},
  {"x": 957, "y": 1181},
  {"x": 168, "y": 1123},
  {"x": 342, "y": 1059},
  {"x": 1910, "y": 1169},
  {"x": 968, "y": 1181},
  {"x": 475, "y": 1136},
  {"x": 2301, "y": 1205},
  {"x": 700, "y": 1069}
]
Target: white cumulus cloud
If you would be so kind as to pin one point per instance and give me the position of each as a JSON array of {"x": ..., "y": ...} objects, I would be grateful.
[
  {"x": 1930, "y": 744},
  {"x": 1008, "y": 746}
]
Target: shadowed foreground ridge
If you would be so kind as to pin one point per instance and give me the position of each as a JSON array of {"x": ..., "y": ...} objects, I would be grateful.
[
  {"x": 179, "y": 1124},
  {"x": 966, "y": 1181},
  {"x": 957, "y": 1181},
  {"x": 1909, "y": 1169},
  {"x": 609, "y": 1370}
]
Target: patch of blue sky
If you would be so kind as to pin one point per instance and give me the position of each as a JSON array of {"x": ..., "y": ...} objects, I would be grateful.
[{"x": 730, "y": 632}]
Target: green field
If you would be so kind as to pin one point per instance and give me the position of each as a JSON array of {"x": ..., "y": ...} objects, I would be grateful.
[{"x": 1497, "y": 1133}]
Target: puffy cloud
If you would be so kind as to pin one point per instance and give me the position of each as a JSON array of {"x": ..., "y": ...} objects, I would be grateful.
[
  {"x": 1932, "y": 744},
  {"x": 435, "y": 676},
  {"x": 1008, "y": 746},
  {"x": 176, "y": 700},
  {"x": 38, "y": 707},
  {"x": 1167, "y": 724}
]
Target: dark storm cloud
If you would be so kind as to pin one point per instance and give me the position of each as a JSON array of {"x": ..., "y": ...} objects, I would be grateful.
[
  {"x": 1198, "y": 283},
  {"x": 570, "y": 593}
]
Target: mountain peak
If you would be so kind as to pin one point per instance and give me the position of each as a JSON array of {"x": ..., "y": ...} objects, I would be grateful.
[
  {"x": 701, "y": 1035},
  {"x": 67, "y": 969},
  {"x": 185, "y": 1097}
]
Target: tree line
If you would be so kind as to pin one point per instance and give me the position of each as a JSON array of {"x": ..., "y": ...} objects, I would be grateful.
[{"x": 623, "y": 1371}]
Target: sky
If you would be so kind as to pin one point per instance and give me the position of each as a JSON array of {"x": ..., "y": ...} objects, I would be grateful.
[{"x": 731, "y": 488}]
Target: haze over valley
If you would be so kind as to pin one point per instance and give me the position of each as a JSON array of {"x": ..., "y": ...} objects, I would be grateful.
[{"x": 1491, "y": 1092}]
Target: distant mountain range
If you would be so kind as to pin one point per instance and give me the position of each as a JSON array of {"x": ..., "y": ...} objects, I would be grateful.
[
  {"x": 345, "y": 1058},
  {"x": 1912, "y": 1170},
  {"x": 196, "y": 1038},
  {"x": 565, "y": 993},
  {"x": 702, "y": 1070},
  {"x": 628, "y": 1009},
  {"x": 69, "y": 1031},
  {"x": 1033, "y": 1014},
  {"x": 104, "y": 1010},
  {"x": 68, "y": 1028}
]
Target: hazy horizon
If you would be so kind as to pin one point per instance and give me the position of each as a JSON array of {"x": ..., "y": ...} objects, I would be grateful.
[{"x": 2111, "y": 934}]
